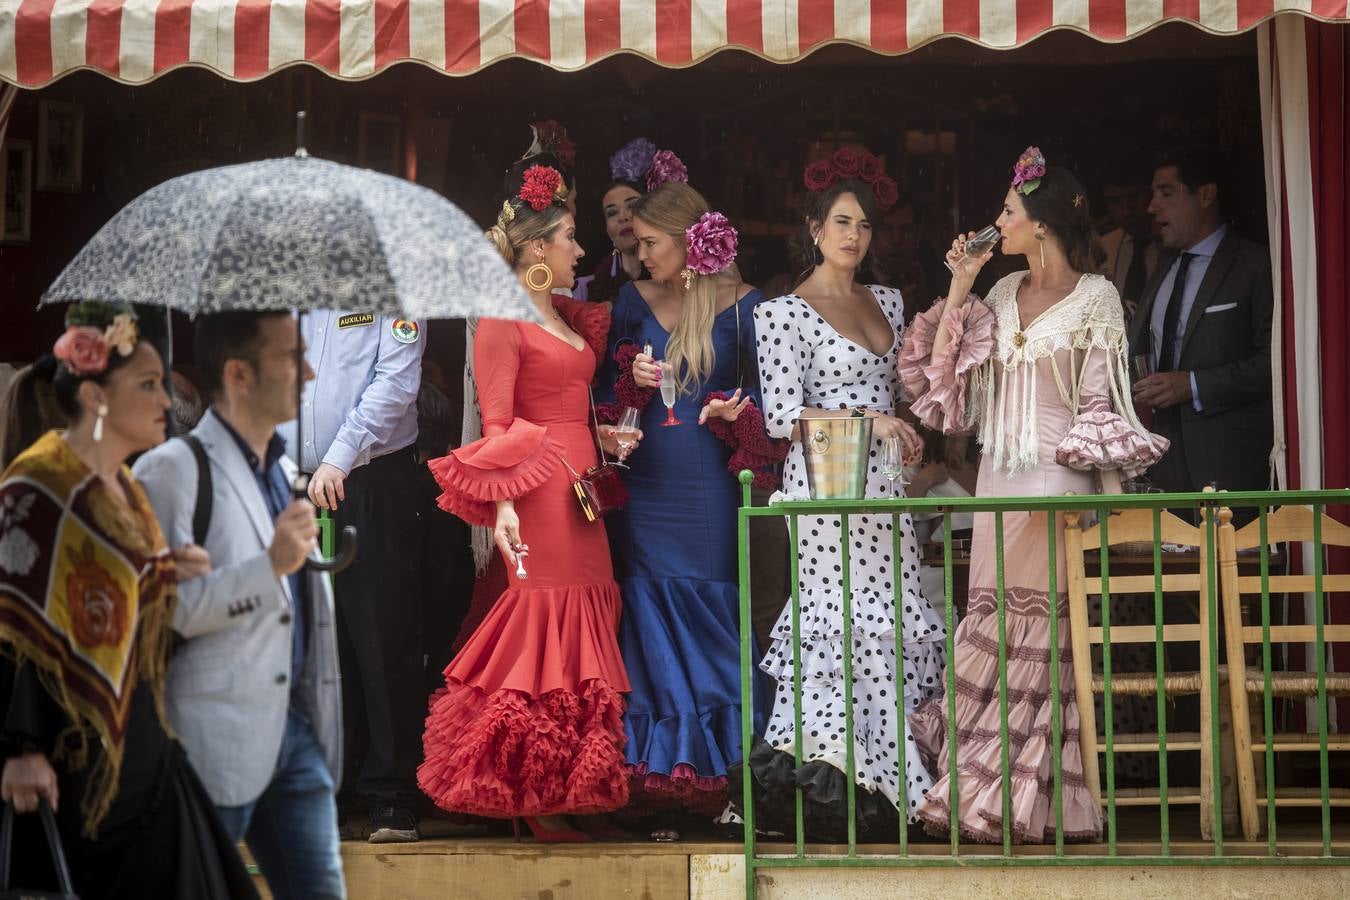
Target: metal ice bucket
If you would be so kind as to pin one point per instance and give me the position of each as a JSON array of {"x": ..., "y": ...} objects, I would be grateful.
[{"x": 836, "y": 452}]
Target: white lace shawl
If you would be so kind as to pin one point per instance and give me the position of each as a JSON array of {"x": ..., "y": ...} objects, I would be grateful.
[{"x": 1089, "y": 318}]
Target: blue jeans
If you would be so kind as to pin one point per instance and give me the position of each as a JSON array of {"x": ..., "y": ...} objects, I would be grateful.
[{"x": 292, "y": 828}]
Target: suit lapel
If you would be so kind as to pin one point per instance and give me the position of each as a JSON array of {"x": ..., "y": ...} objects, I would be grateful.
[
  {"x": 228, "y": 462},
  {"x": 1139, "y": 325},
  {"x": 1214, "y": 276}
]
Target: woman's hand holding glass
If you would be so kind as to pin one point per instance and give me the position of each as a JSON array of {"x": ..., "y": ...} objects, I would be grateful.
[
  {"x": 966, "y": 265},
  {"x": 728, "y": 409},
  {"x": 887, "y": 427},
  {"x": 617, "y": 443}
]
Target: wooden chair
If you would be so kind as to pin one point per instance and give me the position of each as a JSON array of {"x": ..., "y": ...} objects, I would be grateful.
[
  {"x": 1135, "y": 527},
  {"x": 1291, "y": 525}
]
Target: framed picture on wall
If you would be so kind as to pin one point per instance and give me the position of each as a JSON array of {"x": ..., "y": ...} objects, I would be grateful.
[
  {"x": 16, "y": 189},
  {"x": 380, "y": 143},
  {"x": 60, "y": 150}
]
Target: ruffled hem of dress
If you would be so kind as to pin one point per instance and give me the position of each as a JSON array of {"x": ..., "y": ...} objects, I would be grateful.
[
  {"x": 1030, "y": 736},
  {"x": 683, "y": 788},
  {"x": 1101, "y": 439},
  {"x": 507, "y": 754},
  {"x": 937, "y": 383},
  {"x": 499, "y": 467},
  {"x": 824, "y": 799}
]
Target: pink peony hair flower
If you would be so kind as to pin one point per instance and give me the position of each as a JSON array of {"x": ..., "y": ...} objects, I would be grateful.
[
  {"x": 710, "y": 244},
  {"x": 83, "y": 350},
  {"x": 1029, "y": 171},
  {"x": 666, "y": 166}
]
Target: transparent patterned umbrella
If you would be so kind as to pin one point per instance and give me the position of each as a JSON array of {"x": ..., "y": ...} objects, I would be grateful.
[{"x": 295, "y": 234}]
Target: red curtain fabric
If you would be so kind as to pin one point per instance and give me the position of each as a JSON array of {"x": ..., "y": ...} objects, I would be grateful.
[{"x": 1328, "y": 55}]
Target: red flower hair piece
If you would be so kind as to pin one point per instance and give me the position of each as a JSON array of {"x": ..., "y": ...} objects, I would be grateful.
[
  {"x": 843, "y": 163},
  {"x": 540, "y": 187},
  {"x": 552, "y": 138}
]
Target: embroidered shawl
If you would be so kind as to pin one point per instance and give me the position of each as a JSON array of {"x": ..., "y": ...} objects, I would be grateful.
[
  {"x": 86, "y": 597},
  {"x": 1089, "y": 318}
]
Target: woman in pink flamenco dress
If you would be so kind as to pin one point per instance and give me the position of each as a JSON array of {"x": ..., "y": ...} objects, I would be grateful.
[{"x": 1039, "y": 369}]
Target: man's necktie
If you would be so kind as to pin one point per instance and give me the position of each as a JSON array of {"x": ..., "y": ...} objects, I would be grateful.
[{"x": 1167, "y": 353}]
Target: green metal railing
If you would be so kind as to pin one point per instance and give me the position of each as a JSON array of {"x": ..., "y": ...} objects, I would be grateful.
[{"x": 902, "y": 853}]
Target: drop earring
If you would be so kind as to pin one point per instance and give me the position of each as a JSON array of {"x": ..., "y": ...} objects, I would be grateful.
[
  {"x": 98, "y": 422},
  {"x": 816, "y": 256},
  {"x": 1041, "y": 239}
]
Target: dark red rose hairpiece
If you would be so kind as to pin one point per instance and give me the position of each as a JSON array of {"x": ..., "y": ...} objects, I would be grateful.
[{"x": 843, "y": 163}]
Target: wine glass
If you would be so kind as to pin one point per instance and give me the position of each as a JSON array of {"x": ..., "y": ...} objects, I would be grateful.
[
  {"x": 1141, "y": 366},
  {"x": 626, "y": 431},
  {"x": 893, "y": 460},
  {"x": 983, "y": 241},
  {"x": 668, "y": 389}
]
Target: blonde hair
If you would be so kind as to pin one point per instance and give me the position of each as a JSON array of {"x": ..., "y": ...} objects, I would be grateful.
[
  {"x": 670, "y": 209},
  {"x": 514, "y": 230}
]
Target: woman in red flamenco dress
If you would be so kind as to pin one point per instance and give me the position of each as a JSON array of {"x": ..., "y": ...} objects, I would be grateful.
[{"x": 529, "y": 722}]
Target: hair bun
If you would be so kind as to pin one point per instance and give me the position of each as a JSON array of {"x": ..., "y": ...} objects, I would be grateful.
[{"x": 44, "y": 367}]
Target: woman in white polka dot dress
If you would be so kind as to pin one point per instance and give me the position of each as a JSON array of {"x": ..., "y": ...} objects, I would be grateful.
[{"x": 831, "y": 346}]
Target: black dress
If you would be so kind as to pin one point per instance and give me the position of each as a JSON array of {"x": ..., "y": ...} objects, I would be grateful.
[{"x": 160, "y": 839}]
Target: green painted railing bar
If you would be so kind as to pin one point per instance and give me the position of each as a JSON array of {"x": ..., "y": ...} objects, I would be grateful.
[
  {"x": 798, "y": 813},
  {"x": 1321, "y": 622},
  {"x": 954, "y": 779},
  {"x": 1160, "y": 664},
  {"x": 1053, "y": 507},
  {"x": 1056, "y": 729},
  {"x": 747, "y": 690},
  {"x": 1108, "y": 709},
  {"x": 1268, "y": 698},
  {"x": 850, "y": 764},
  {"x": 1004, "y": 765},
  {"x": 1211, "y": 601},
  {"x": 898, "y": 616}
]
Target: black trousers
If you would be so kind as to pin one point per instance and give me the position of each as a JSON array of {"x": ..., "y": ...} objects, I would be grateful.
[{"x": 379, "y": 619}]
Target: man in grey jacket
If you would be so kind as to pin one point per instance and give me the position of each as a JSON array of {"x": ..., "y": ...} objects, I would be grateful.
[{"x": 253, "y": 690}]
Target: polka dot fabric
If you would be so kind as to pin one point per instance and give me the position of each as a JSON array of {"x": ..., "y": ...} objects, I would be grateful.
[{"x": 803, "y": 363}]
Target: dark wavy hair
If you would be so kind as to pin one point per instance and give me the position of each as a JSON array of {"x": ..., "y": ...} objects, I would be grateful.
[
  {"x": 805, "y": 254},
  {"x": 1060, "y": 203}
]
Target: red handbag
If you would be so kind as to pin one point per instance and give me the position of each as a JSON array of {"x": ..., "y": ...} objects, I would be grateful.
[{"x": 600, "y": 490}]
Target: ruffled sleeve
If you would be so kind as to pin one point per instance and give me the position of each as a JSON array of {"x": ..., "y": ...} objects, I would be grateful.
[
  {"x": 1101, "y": 438},
  {"x": 515, "y": 456},
  {"x": 939, "y": 386},
  {"x": 501, "y": 467}
]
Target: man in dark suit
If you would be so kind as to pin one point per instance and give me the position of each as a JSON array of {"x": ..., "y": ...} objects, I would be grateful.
[{"x": 1205, "y": 323}]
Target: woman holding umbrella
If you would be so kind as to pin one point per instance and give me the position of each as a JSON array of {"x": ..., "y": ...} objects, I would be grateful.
[
  {"x": 86, "y": 600},
  {"x": 529, "y": 722}
]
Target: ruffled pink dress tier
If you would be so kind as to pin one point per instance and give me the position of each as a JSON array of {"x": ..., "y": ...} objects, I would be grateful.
[
  {"x": 1049, "y": 402},
  {"x": 529, "y": 722}
]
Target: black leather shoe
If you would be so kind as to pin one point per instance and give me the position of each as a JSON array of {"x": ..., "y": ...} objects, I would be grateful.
[{"x": 393, "y": 825}]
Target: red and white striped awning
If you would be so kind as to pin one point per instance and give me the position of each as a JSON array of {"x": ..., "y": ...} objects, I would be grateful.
[{"x": 134, "y": 41}]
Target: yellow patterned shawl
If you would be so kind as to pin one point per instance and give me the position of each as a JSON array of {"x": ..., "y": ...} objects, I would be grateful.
[{"x": 86, "y": 596}]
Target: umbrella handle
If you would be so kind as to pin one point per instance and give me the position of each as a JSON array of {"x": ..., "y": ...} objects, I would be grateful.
[{"x": 345, "y": 556}]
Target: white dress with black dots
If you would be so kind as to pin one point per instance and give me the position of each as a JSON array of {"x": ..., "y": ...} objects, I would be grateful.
[{"x": 804, "y": 362}]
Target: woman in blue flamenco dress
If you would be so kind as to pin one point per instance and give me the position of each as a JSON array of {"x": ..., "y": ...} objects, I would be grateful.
[{"x": 674, "y": 544}]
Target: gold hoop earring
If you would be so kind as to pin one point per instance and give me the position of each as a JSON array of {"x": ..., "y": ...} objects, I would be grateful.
[
  {"x": 98, "y": 422},
  {"x": 541, "y": 273}
]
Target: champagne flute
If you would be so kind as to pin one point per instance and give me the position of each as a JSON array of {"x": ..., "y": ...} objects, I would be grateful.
[
  {"x": 1142, "y": 366},
  {"x": 979, "y": 245},
  {"x": 893, "y": 460},
  {"x": 626, "y": 431},
  {"x": 668, "y": 388}
]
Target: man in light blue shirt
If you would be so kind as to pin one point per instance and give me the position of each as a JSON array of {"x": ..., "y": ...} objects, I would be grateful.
[
  {"x": 359, "y": 427},
  {"x": 1204, "y": 322}
]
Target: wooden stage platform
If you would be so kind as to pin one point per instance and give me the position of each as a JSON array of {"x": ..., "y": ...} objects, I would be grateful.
[{"x": 497, "y": 868}]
